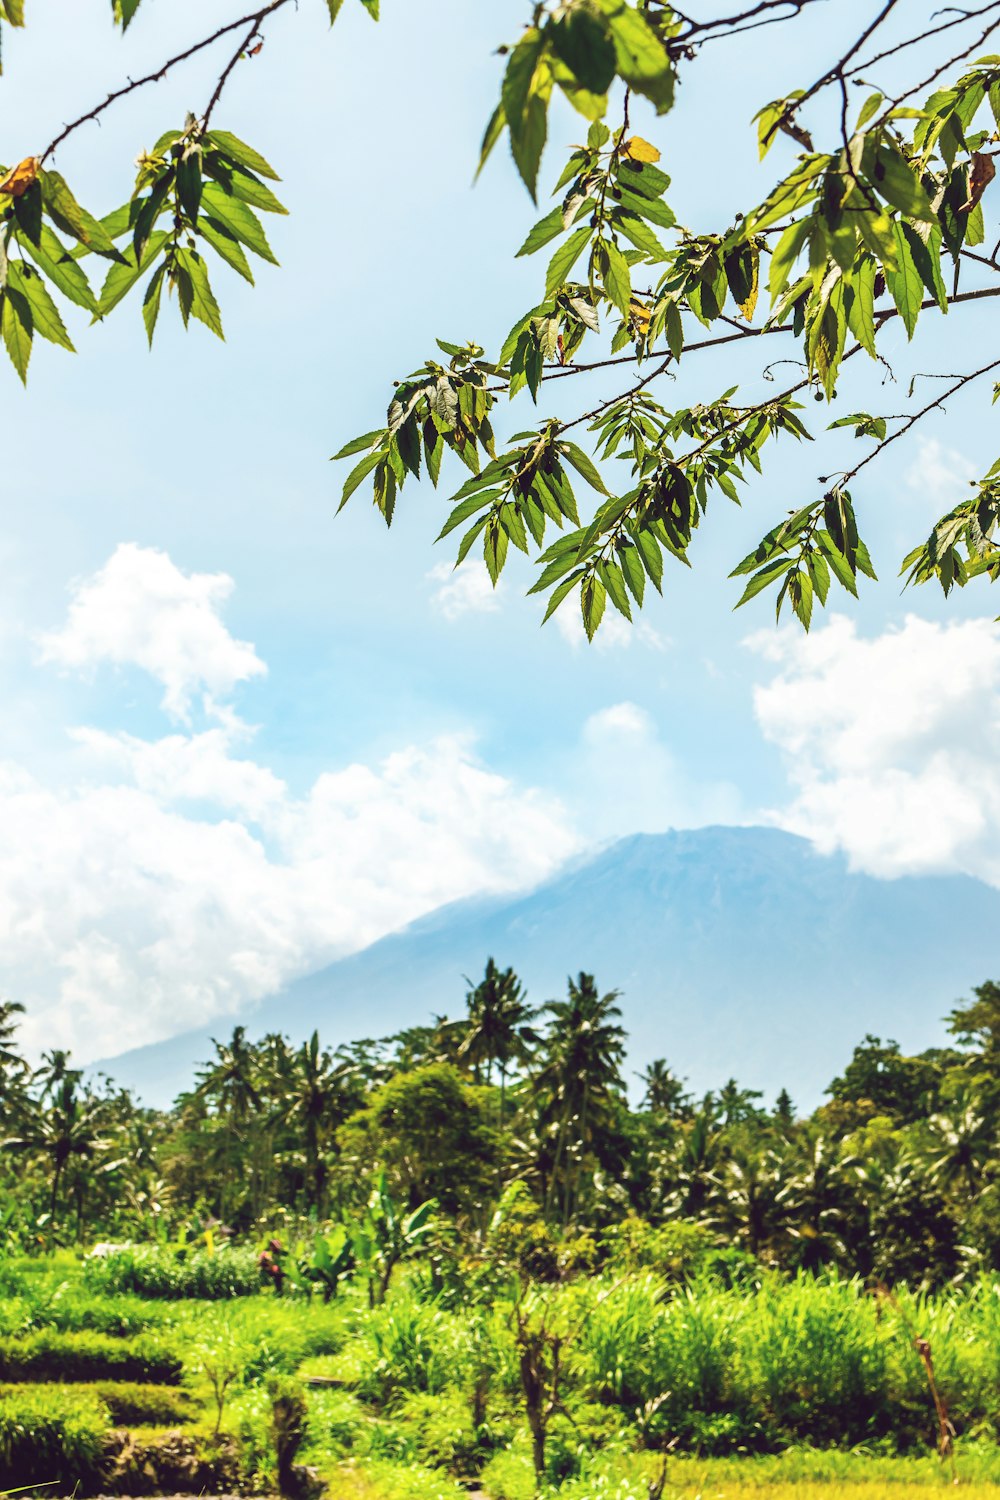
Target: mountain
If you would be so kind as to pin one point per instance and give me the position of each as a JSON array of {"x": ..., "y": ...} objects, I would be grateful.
[{"x": 740, "y": 952}]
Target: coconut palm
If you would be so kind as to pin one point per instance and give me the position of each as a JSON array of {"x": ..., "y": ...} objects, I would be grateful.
[
  {"x": 579, "y": 1083},
  {"x": 957, "y": 1146},
  {"x": 499, "y": 1027},
  {"x": 61, "y": 1128}
]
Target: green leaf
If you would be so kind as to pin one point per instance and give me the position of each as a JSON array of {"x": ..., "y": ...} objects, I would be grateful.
[
  {"x": 927, "y": 259},
  {"x": 151, "y": 302},
  {"x": 44, "y": 313},
  {"x": 673, "y": 328},
  {"x": 524, "y": 101},
  {"x": 495, "y": 542},
  {"x": 371, "y": 6},
  {"x": 786, "y": 253},
  {"x": 17, "y": 329},
  {"x": 584, "y": 466},
  {"x": 593, "y": 596},
  {"x": 611, "y": 577},
  {"x": 768, "y": 574},
  {"x": 189, "y": 183},
  {"x": 124, "y": 10},
  {"x": 905, "y": 285},
  {"x": 123, "y": 275},
  {"x": 896, "y": 181},
  {"x": 581, "y": 38},
  {"x": 641, "y": 236},
  {"x": 358, "y": 474},
  {"x": 617, "y": 278},
  {"x": 225, "y": 244},
  {"x": 334, "y": 6},
  {"x": 492, "y": 133},
  {"x": 559, "y": 593},
  {"x": 566, "y": 258},
  {"x": 63, "y": 209},
  {"x": 869, "y": 108},
  {"x": 238, "y": 183},
  {"x": 359, "y": 444},
  {"x": 240, "y": 220},
  {"x": 859, "y": 305},
  {"x": 28, "y": 213},
  {"x": 52, "y": 257},
  {"x": 545, "y": 230},
  {"x": 643, "y": 62},
  {"x": 242, "y": 154}
]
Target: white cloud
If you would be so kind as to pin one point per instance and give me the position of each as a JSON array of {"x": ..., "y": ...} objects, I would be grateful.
[
  {"x": 892, "y": 743},
  {"x": 127, "y": 916},
  {"x": 940, "y": 474},
  {"x": 141, "y": 610},
  {"x": 627, "y": 779},
  {"x": 615, "y": 633},
  {"x": 467, "y": 590}
]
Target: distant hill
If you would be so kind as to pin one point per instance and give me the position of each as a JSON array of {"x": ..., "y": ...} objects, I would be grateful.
[{"x": 739, "y": 951}]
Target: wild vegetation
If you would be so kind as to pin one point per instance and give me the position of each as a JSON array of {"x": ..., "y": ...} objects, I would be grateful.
[{"x": 463, "y": 1253}]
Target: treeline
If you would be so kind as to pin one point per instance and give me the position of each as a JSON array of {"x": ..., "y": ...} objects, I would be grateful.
[{"x": 896, "y": 1177}]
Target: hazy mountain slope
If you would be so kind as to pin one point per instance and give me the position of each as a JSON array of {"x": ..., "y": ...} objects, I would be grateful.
[{"x": 739, "y": 951}]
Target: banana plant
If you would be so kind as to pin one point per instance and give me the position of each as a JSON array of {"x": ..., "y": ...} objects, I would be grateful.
[
  {"x": 332, "y": 1258},
  {"x": 385, "y": 1235}
]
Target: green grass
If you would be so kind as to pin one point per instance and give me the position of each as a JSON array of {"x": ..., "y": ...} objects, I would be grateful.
[{"x": 786, "y": 1378}]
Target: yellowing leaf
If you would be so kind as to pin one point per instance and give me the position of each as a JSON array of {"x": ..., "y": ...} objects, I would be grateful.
[
  {"x": 20, "y": 178},
  {"x": 640, "y": 150}
]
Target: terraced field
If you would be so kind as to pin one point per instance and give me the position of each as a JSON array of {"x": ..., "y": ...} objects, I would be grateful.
[{"x": 108, "y": 1391}]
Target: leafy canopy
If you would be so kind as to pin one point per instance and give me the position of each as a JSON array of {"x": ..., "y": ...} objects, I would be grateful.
[{"x": 884, "y": 219}]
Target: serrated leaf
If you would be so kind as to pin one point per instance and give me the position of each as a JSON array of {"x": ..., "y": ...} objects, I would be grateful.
[
  {"x": 593, "y": 597},
  {"x": 359, "y": 473},
  {"x": 242, "y": 154},
  {"x": 45, "y": 316},
  {"x": 566, "y": 257},
  {"x": 617, "y": 278},
  {"x": 584, "y": 466},
  {"x": 123, "y": 275},
  {"x": 16, "y": 329},
  {"x": 225, "y": 245},
  {"x": 239, "y": 219},
  {"x": 52, "y": 258},
  {"x": 545, "y": 230},
  {"x": 904, "y": 283},
  {"x": 151, "y": 302}
]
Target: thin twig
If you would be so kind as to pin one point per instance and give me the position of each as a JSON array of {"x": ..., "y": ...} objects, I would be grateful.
[{"x": 255, "y": 17}]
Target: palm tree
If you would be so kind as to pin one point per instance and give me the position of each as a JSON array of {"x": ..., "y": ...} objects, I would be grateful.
[
  {"x": 499, "y": 1030},
  {"x": 14, "y": 1070},
  {"x": 230, "y": 1083},
  {"x": 664, "y": 1091},
  {"x": 315, "y": 1108},
  {"x": 61, "y": 1129},
  {"x": 957, "y": 1147},
  {"x": 580, "y": 1081},
  {"x": 821, "y": 1199}
]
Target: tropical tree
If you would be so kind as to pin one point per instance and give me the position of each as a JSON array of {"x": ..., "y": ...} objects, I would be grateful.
[
  {"x": 230, "y": 1083},
  {"x": 499, "y": 1027},
  {"x": 579, "y": 1083},
  {"x": 62, "y": 1128},
  {"x": 318, "y": 1100},
  {"x": 956, "y": 1147}
]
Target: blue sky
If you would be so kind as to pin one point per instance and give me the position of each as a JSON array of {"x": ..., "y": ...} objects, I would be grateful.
[{"x": 243, "y": 735}]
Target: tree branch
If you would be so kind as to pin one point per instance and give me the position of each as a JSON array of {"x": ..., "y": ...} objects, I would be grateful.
[{"x": 254, "y": 20}]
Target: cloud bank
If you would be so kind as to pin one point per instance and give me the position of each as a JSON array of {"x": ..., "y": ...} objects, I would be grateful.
[{"x": 892, "y": 744}]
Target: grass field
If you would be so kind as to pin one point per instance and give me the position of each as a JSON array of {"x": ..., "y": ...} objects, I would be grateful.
[{"x": 797, "y": 1390}]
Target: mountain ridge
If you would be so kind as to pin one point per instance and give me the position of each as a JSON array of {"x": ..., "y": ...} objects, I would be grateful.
[{"x": 739, "y": 951}]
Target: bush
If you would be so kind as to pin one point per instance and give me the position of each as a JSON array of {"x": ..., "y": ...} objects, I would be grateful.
[
  {"x": 151, "y": 1271},
  {"x": 127, "y": 1403},
  {"x": 72, "y": 1357},
  {"x": 52, "y": 1442}
]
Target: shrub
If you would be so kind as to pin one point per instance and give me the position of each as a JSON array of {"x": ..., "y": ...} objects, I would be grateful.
[
  {"x": 51, "y": 1355},
  {"x": 152, "y": 1271},
  {"x": 126, "y": 1403},
  {"x": 52, "y": 1442}
]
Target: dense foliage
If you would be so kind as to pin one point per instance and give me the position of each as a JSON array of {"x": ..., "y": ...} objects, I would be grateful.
[
  {"x": 463, "y": 1252},
  {"x": 887, "y": 218},
  {"x": 417, "y": 1141}
]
